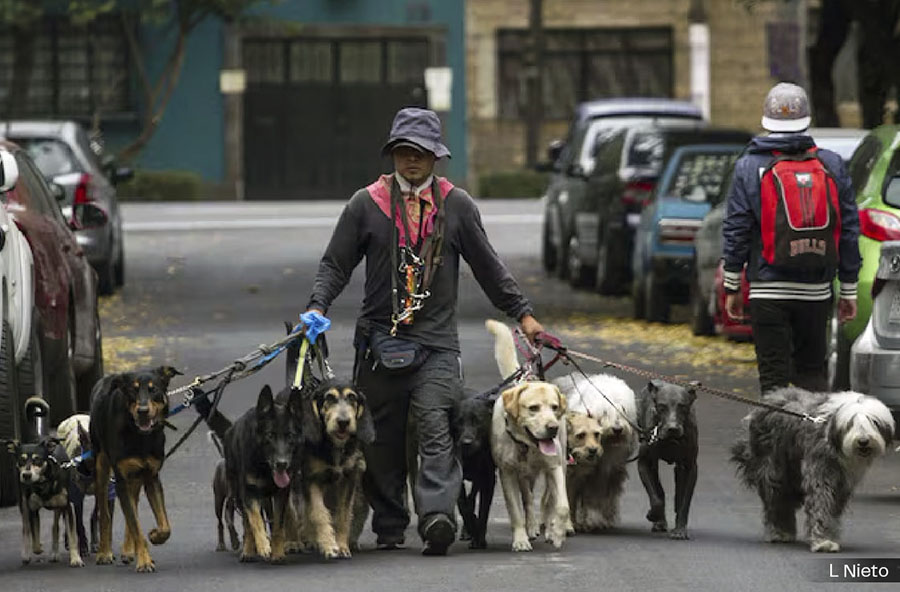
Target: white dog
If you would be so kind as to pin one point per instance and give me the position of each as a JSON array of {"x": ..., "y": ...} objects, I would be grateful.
[
  {"x": 792, "y": 463},
  {"x": 528, "y": 440},
  {"x": 617, "y": 414}
]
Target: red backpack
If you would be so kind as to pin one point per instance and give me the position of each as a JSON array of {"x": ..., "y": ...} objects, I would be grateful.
[{"x": 800, "y": 217}]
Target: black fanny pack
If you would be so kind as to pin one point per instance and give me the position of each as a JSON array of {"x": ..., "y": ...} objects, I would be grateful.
[{"x": 394, "y": 354}]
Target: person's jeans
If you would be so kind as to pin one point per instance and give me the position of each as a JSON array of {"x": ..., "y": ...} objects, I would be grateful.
[
  {"x": 790, "y": 338},
  {"x": 432, "y": 393}
]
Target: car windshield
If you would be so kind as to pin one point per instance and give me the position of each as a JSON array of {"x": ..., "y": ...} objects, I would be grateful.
[
  {"x": 52, "y": 157},
  {"x": 844, "y": 147},
  {"x": 698, "y": 176}
]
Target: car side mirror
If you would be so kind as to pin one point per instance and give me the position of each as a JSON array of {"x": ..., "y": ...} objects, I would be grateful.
[
  {"x": 58, "y": 192},
  {"x": 122, "y": 174},
  {"x": 554, "y": 149},
  {"x": 9, "y": 171},
  {"x": 892, "y": 192}
]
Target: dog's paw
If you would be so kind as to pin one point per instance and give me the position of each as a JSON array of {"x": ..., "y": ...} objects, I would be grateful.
[
  {"x": 464, "y": 535},
  {"x": 660, "y": 526},
  {"x": 105, "y": 558},
  {"x": 276, "y": 558},
  {"x": 158, "y": 536},
  {"x": 54, "y": 557},
  {"x": 330, "y": 552},
  {"x": 293, "y": 547},
  {"x": 126, "y": 558},
  {"x": 76, "y": 562},
  {"x": 248, "y": 558},
  {"x": 555, "y": 539},
  {"x": 781, "y": 536},
  {"x": 354, "y": 547},
  {"x": 344, "y": 552},
  {"x": 521, "y": 545},
  {"x": 679, "y": 534},
  {"x": 656, "y": 514},
  {"x": 37, "y": 549},
  {"x": 220, "y": 547},
  {"x": 145, "y": 566},
  {"x": 26, "y": 559},
  {"x": 824, "y": 546},
  {"x": 478, "y": 544}
]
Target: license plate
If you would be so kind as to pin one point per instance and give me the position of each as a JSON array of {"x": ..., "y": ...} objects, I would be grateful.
[
  {"x": 894, "y": 312},
  {"x": 633, "y": 220}
]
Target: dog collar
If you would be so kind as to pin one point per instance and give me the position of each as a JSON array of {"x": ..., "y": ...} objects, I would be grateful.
[{"x": 523, "y": 446}]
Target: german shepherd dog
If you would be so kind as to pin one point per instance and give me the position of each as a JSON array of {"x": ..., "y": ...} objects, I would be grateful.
[
  {"x": 223, "y": 501},
  {"x": 336, "y": 420},
  {"x": 45, "y": 483},
  {"x": 262, "y": 456},
  {"x": 128, "y": 413},
  {"x": 474, "y": 429}
]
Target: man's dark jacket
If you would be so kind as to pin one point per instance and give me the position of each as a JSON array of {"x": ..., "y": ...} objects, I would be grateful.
[
  {"x": 364, "y": 230},
  {"x": 741, "y": 230}
]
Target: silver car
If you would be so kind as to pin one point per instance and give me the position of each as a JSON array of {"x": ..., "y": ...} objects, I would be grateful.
[
  {"x": 63, "y": 153},
  {"x": 875, "y": 356}
]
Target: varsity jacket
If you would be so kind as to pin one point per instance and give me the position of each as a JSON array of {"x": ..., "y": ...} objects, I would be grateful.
[{"x": 742, "y": 241}]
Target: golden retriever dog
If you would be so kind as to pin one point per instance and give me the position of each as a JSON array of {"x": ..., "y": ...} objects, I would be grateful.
[
  {"x": 528, "y": 440},
  {"x": 616, "y": 412},
  {"x": 584, "y": 474}
]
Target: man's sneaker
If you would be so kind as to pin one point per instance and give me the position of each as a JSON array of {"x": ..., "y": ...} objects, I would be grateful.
[
  {"x": 389, "y": 544},
  {"x": 438, "y": 533}
]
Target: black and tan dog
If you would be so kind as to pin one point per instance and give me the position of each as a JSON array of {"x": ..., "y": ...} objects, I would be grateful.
[
  {"x": 474, "y": 438},
  {"x": 667, "y": 417},
  {"x": 128, "y": 413},
  {"x": 262, "y": 457},
  {"x": 45, "y": 482},
  {"x": 336, "y": 420}
]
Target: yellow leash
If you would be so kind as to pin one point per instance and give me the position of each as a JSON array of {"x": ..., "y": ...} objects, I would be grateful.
[{"x": 301, "y": 364}]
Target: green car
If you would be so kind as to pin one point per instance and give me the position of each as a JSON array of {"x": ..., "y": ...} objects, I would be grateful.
[{"x": 874, "y": 163}]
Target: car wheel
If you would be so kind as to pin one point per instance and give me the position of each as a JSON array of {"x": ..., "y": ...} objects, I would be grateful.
[
  {"x": 31, "y": 372},
  {"x": 120, "y": 266},
  {"x": 63, "y": 387},
  {"x": 106, "y": 284},
  {"x": 637, "y": 299},
  {"x": 656, "y": 302},
  {"x": 548, "y": 250},
  {"x": 701, "y": 321},
  {"x": 10, "y": 417},
  {"x": 93, "y": 374},
  {"x": 607, "y": 280},
  {"x": 580, "y": 275}
]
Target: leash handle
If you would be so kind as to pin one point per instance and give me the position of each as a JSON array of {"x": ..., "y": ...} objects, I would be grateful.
[{"x": 301, "y": 364}]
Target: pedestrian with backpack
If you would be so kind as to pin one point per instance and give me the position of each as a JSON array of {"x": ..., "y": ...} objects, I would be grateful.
[
  {"x": 413, "y": 227},
  {"x": 791, "y": 218}
]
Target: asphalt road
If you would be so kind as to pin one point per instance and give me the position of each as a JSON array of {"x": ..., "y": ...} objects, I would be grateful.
[{"x": 208, "y": 282}]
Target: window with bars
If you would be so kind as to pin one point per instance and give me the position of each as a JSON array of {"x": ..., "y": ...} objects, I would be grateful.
[
  {"x": 76, "y": 70},
  {"x": 335, "y": 61},
  {"x": 585, "y": 64}
]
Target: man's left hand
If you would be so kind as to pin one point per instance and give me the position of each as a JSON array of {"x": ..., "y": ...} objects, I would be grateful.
[{"x": 531, "y": 327}]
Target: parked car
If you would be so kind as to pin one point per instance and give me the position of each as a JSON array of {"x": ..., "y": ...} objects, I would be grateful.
[
  {"x": 875, "y": 355},
  {"x": 707, "y": 298},
  {"x": 65, "y": 292},
  {"x": 873, "y": 167},
  {"x": 63, "y": 153},
  {"x": 664, "y": 239},
  {"x": 572, "y": 161},
  {"x": 20, "y": 363}
]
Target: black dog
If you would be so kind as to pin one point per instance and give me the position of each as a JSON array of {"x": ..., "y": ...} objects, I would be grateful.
[
  {"x": 474, "y": 433},
  {"x": 262, "y": 457},
  {"x": 128, "y": 413},
  {"x": 46, "y": 482},
  {"x": 669, "y": 425}
]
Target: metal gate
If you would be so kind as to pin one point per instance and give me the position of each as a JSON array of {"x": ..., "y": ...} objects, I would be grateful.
[{"x": 316, "y": 111}]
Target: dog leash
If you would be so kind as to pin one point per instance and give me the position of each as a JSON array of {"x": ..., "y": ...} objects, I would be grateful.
[{"x": 569, "y": 354}]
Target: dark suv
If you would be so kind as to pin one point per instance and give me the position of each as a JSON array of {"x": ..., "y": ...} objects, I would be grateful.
[{"x": 572, "y": 162}]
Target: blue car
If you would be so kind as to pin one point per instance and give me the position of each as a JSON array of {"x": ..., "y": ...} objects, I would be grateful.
[{"x": 664, "y": 240}]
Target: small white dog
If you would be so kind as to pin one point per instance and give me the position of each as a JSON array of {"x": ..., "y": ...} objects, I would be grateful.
[
  {"x": 618, "y": 438},
  {"x": 528, "y": 440}
]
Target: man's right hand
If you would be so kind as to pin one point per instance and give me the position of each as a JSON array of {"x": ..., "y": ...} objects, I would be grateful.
[
  {"x": 846, "y": 310},
  {"x": 734, "y": 306}
]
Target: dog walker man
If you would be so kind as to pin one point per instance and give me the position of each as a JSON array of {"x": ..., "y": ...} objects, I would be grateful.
[
  {"x": 412, "y": 227},
  {"x": 790, "y": 301}
]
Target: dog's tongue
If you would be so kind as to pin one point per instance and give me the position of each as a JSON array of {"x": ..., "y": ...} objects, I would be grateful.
[
  {"x": 281, "y": 478},
  {"x": 548, "y": 447}
]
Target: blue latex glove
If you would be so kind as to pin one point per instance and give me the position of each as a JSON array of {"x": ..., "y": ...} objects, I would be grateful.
[{"x": 315, "y": 324}]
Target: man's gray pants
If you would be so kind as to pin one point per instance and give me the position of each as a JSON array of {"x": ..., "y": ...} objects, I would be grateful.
[{"x": 432, "y": 393}]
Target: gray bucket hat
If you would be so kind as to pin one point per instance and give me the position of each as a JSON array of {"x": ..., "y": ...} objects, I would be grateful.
[
  {"x": 786, "y": 109},
  {"x": 420, "y": 127}
]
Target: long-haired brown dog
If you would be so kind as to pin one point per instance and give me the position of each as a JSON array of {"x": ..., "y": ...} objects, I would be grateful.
[{"x": 336, "y": 420}]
